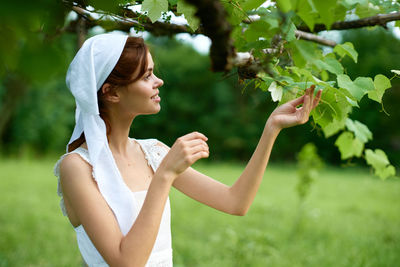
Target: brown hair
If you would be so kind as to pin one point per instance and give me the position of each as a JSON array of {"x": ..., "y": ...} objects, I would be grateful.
[{"x": 133, "y": 58}]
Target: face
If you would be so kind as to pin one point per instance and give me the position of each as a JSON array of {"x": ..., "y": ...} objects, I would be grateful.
[{"x": 141, "y": 97}]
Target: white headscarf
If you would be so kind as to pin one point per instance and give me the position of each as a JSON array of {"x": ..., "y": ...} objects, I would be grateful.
[{"x": 86, "y": 74}]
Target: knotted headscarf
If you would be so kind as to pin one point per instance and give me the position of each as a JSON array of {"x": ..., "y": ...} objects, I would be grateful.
[{"x": 86, "y": 74}]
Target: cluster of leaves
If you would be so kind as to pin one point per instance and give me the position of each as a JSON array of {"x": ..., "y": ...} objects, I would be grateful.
[
  {"x": 295, "y": 64},
  {"x": 156, "y": 8}
]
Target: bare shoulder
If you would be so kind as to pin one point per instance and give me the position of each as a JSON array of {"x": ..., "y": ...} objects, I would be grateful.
[{"x": 73, "y": 168}]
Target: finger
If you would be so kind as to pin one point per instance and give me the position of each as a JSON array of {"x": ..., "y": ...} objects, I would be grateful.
[
  {"x": 306, "y": 103},
  {"x": 194, "y": 135},
  {"x": 198, "y": 148},
  {"x": 306, "y": 107},
  {"x": 199, "y": 155},
  {"x": 312, "y": 88},
  {"x": 300, "y": 100},
  {"x": 196, "y": 142},
  {"x": 317, "y": 99},
  {"x": 297, "y": 101}
]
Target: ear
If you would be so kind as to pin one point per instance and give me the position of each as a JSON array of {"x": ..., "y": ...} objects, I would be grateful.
[{"x": 110, "y": 93}]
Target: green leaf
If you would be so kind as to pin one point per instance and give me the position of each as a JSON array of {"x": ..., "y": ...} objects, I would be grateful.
[
  {"x": 284, "y": 5},
  {"x": 307, "y": 12},
  {"x": 188, "y": 11},
  {"x": 304, "y": 52},
  {"x": 236, "y": 14},
  {"x": 358, "y": 88},
  {"x": 289, "y": 31},
  {"x": 257, "y": 29},
  {"x": 154, "y": 8},
  {"x": 172, "y": 2},
  {"x": 367, "y": 10},
  {"x": 289, "y": 95},
  {"x": 381, "y": 84},
  {"x": 396, "y": 72},
  {"x": 276, "y": 92},
  {"x": 326, "y": 11},
  {"x": 324, "y": 75},
  {"x": 349, "y": 146},
  {"x": 352, "y": 102},
  {"x": 251, "y": 4},
  {"x": 379, "y": 161},
  {"x": 330, "y": 64},
  {"x": 333, "y": 106},
  {"x": 350, "y": 3},
  {"x": 360, "y": 130},
  {"x": 346, "y": 49},
  {"x": 333, "y": 127}
]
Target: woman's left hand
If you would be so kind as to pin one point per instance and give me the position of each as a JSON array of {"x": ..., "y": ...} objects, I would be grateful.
[{"x": 288, "y": 114}]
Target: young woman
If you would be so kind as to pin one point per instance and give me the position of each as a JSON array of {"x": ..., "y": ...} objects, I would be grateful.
[{"x": 115, "y": 188}]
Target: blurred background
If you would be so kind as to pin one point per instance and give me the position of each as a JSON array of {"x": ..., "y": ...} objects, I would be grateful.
[{"x": 337, "y": 216}]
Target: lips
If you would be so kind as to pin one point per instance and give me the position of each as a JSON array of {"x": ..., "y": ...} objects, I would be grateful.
[{"x": 156, "y": 95}]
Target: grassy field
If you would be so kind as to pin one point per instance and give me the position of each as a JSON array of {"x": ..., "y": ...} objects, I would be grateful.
[{"x": 349, "y": 219}]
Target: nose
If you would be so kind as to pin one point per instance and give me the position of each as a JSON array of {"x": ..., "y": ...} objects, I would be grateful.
[{"x": 159, "y": 82}]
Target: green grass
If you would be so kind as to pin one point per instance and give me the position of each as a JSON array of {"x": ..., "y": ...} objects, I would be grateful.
[{"x": 350, "y": 218}]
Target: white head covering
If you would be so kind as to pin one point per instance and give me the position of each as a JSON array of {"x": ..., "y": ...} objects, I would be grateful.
[{"x": 86, "y": 74}]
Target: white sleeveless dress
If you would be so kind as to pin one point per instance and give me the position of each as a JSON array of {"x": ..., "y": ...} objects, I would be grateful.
[{"x": 161, "y": 255}]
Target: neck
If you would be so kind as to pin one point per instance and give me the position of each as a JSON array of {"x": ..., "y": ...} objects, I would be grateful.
[{"x": 118, "y": 139}]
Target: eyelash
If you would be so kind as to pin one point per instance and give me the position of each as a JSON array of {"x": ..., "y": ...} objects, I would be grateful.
[{"x": 147, "y": 77}]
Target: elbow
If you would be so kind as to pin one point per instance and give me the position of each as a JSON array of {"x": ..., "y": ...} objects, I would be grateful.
[{"x": 240, "y": 211}]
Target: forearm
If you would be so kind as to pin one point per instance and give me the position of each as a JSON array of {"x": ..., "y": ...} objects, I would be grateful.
[
  {"x": 243, "y": 191},
  {"x": 137, "y": 245}
]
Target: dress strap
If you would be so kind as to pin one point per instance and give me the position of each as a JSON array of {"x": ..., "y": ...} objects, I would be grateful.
[{"x": 154, "y": 152}]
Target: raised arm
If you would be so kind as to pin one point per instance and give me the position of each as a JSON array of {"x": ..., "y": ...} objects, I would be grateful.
[
  {"x": 236, "y": 199},
  {"x": 85, "y": 204}
]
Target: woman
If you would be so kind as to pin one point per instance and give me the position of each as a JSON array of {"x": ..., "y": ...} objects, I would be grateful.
[{"x": 114, "y": 188}]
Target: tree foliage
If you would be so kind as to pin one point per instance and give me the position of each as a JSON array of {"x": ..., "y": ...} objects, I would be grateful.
[{"x": 275, "y": 46}]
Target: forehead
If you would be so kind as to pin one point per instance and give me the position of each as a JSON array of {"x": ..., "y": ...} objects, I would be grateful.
[{"x": 150, "y": 62}]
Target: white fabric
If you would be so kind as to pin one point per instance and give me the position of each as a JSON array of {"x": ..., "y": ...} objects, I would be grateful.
[
  {"x": 86, "y": 74},
  {"x": 161, "y": 255}
]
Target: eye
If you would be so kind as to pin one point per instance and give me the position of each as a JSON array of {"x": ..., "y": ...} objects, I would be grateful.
[{"x": 147, "y": 76}]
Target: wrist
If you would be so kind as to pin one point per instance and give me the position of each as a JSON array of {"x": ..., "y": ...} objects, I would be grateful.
[
  {"x": 165, "y": 175},
  {"x": 271, "y": 126}
]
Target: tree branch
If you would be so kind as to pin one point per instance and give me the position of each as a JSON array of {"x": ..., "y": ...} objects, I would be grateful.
[
  {"x": 314, "y": 38},
  {"x": 130, "y": 20},
  {"x": 377, "y": 20}
]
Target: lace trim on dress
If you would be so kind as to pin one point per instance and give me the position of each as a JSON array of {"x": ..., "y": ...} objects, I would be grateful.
[{"x": 154, "y": 153}]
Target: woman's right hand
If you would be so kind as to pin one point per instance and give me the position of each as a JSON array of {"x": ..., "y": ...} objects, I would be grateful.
[{"x": 184, "y": 152}]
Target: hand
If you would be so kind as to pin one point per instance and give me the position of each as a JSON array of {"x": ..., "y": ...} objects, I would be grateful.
[
  {"x": 184, "y": 152},
  {"x": 288, "y": 115}
]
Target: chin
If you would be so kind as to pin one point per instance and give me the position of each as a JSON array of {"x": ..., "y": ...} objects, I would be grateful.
[{"x": 154, "y": 110}]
